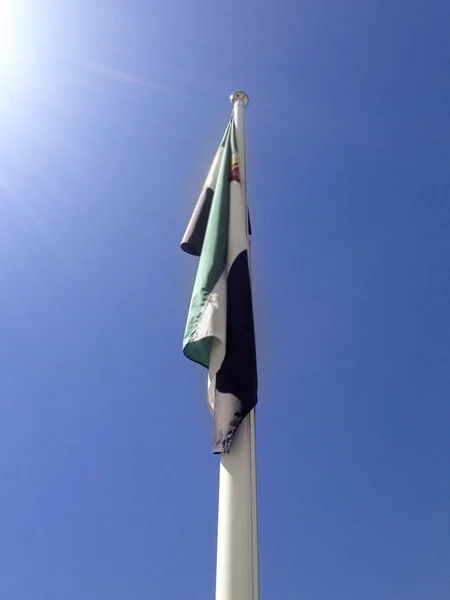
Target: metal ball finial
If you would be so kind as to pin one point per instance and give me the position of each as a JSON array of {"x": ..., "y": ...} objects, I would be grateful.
[{"x": 239, "y": 95}]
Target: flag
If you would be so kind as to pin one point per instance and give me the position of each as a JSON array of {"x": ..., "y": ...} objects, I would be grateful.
[{"x": 220, "y": 330}]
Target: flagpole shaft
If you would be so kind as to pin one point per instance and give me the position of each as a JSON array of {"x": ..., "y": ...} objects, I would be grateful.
[{"x": 237, "y": 574}]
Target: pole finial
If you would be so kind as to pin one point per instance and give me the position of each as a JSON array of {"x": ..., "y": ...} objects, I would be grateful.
[{"x": 239, "y": 95}]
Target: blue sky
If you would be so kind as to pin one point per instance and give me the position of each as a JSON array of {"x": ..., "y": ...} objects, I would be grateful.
[{"x": 110, "y": 113}]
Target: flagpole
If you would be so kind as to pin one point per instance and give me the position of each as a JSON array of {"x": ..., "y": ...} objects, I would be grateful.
[{"x": 237, "y": 574}]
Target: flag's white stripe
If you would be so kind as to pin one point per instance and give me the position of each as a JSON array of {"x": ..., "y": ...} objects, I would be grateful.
[
  {"x": 222, "y": 400},
  {"x": 213, "y": 172},
  {"x": 213, "y": 323},
  {"x": 237, "y": 232},
  {"x": 210, "y": 182},
  {"x": 237, "y": 243}
]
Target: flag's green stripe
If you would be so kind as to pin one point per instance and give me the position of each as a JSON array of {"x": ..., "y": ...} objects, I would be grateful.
[
  {"x": 226, "y": 135},
  {"x": 212, "y": 260}
]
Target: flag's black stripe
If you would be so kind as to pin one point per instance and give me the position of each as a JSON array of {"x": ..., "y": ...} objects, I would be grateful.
[
  {"x": 193, "y": 245},
  {"x": 238, "y": 374}
]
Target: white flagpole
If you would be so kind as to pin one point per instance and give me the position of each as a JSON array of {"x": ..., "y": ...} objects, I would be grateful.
[{"x": 237, "y": 574}]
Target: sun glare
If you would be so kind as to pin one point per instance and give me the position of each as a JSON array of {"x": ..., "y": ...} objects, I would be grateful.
[{"x": 9, "y": 36}]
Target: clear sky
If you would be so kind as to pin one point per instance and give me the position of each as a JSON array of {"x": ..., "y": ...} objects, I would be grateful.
[{"x": 110, "y": 113}]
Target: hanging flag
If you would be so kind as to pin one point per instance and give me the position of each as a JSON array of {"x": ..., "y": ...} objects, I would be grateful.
[{"x": 219, "y": 330}]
